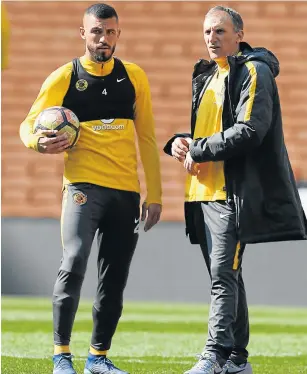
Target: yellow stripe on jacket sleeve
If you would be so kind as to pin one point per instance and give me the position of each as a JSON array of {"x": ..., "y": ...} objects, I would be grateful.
[
  {"x": 52, "y": 93},
  {"x": 252, "y": 90},
  {"x": 145, "y": 129},
  {"x": 236, "y": 258}
]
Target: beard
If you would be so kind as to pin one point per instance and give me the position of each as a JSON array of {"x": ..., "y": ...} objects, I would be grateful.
[{"x": 101, "y": 55}]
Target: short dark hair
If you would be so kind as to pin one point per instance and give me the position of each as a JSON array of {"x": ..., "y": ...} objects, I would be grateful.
[
  {"x": 234, "y": 15},
  {"x": 102, "y": 11}
]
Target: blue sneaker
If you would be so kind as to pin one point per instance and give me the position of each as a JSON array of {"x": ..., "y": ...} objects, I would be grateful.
[
  {"x": 207, "y": 364},
  {"x": 231, "y": 368},
  {"x": 63, "y": 364},
  {"x": 100, "y": 365}
]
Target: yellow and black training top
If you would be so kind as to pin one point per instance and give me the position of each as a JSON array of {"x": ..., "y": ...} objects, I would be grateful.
[
  {"x": 112, "y": 101},
  {"x": 209, "y": 183}
]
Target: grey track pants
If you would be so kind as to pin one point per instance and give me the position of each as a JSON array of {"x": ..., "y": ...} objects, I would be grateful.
[
  {"x": 228, "y": 327},
  {"x": 115, "y": 214}
]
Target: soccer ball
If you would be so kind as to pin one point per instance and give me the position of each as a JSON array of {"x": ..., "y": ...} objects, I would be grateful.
[{"x": 61, "y": 119}]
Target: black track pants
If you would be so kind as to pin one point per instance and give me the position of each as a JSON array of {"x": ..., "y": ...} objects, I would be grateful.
[{"x": 115, "y": 214}]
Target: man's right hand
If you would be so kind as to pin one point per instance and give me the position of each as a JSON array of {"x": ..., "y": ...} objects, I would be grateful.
[
  {"x": 51, "y": 142},
  {"x": 180, "y": 148}
]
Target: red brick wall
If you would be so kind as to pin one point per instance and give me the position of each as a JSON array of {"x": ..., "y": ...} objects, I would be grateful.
[{"x": 165, "y": 39}]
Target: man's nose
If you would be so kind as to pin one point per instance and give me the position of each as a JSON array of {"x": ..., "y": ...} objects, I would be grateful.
[
  {"x": 212, "y": 37},
  {"x": 102, "y": 38}
]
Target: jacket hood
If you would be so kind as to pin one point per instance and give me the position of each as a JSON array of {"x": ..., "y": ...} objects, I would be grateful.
[{"x": 259, "y": 54}]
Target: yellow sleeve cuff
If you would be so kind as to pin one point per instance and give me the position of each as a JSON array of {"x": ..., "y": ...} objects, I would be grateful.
[
  {"x": 33, "y": 141},
  {"x": 153, "y": 201}
]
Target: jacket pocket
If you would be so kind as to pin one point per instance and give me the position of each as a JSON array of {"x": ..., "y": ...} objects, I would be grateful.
[{"x": 190, "y": 224}]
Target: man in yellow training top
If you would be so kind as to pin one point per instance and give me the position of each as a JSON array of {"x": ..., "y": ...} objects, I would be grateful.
[{"x": 101, "y": 190}]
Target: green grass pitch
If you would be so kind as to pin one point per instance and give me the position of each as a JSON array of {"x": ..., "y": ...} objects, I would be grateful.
[{"x": 151, "y": 338}]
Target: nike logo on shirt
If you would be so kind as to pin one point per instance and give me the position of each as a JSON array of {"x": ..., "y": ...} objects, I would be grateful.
[{"x": 119, "y": 80}]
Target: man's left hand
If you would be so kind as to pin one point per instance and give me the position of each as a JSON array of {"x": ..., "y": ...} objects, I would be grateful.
[
  {"x": 153, "y": 212},
  {"x": 190, "y": 165}
]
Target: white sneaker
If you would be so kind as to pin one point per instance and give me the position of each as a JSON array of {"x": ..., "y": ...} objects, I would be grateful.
[
  {"x": 207, "y": 364},
  {"x": 231, "y": 368}
]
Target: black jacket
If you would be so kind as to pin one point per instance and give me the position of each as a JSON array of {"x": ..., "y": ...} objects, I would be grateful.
[{"x": 258, "y": 174}]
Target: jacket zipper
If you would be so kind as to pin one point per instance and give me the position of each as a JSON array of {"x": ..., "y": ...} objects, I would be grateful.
[{"x": 232, "y": 109}]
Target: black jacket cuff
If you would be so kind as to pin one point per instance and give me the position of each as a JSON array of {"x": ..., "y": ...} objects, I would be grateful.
[{"x": 168, "y": 146}]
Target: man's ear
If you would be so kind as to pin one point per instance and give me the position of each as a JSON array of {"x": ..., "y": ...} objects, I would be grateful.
[
  {"x": 118, "y": 33},
  {"x": 240, "y": 36},
  {"x": 82, "y": 32}
]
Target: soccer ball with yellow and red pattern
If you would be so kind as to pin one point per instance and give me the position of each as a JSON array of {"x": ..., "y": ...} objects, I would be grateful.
[{"x": 61, "y": 119}]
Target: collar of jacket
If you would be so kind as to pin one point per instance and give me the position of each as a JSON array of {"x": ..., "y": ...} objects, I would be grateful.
[{"x": 205, "y": 67}]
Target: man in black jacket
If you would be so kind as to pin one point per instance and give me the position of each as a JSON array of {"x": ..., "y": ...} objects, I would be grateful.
[{"x": 240, "y": 187}]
